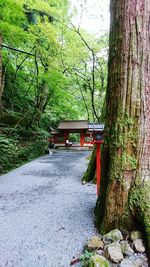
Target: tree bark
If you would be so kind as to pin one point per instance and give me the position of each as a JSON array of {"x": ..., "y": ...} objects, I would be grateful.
[
  {"x": 42, "y": 97},
  {"x": 41, "y": 103},
  {"x": 124, "y": 194},
  {"x": 1, "y": 70}
]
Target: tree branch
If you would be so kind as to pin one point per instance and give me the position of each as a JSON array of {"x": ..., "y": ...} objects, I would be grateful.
[{"x": 16, "y": 49}]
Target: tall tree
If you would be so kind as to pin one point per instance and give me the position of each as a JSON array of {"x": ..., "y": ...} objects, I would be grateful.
[
  {"x": 35, "y": 82},
  {"x": 124, "y": 199},
  {"x": 0, "y": 68},
  {"x": 84, "y": 58}
]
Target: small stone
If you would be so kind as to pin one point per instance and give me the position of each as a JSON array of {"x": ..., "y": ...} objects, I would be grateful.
[
  {"x": 130, "y": 263},
  {"x": 100, "y": 252},
  {"x": 125, "y": 248},
  {"x": 95, "y": 243},
  {"x": 135, "y": 235},
  {"x": 114, "y": 235},
  {"x": 138, "y": 245},
  {"x": 113, "y": 252},
  {"x": 98, "y": 261},
  {"x": 126, "y": 234},
  {"x": 144, "y": 259}
]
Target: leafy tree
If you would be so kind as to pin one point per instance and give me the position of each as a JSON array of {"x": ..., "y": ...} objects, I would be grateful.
[
  {"x": 33, "y": 80},
  {"x": 54, "y": 72},
  {"x": 87, "y": 65}
]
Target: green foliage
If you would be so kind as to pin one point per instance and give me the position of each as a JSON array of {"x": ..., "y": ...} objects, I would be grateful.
[
  {"x": 87, "y": 67},
  {"x": 56, "y": 80},
  {"x": 85, "y": 258},
  {"x": 8, "y": 154},
  {"x": 22, "y": 84},
  {"x": 14, "y": 154}
]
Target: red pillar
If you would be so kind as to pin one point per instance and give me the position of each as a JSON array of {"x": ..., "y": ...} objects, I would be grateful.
[
  {"x": 81, "y": 139},
  {"x": 98, "y": 166}
]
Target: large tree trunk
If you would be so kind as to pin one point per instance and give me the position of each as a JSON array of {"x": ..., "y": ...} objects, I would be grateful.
[
  {"x": 1, "y": 79},
  {"x": 125, "y": 187}
]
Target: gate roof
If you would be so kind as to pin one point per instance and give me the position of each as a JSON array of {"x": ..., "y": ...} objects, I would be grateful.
[{"x": 73, "y": 125}]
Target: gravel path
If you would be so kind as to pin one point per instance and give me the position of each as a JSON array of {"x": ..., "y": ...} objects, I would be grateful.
[{"x": 46, "y": 215}]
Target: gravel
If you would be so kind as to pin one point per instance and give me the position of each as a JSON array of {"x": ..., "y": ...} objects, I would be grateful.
[{"x": 46, "y": 214}]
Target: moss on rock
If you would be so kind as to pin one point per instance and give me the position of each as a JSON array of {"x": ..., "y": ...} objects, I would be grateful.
[{"x": 98, "y": 261}]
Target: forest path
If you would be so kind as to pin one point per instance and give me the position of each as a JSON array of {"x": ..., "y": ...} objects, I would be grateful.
[{"x": 46, "y": 214}]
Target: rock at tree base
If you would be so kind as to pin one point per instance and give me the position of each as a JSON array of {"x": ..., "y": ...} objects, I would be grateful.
[
  {"x": 113, "y": 252},
  {"x": 100, "y": 252},
  {"x": 95, "y": 243},
  {"x": 112, "y": 236},
  {"x": 99, "y": 261},
  {"x": 121, "y": 253},
  {"x": 138, "y": 245},
  {"x": 135, "y": 235},
  {"x": 130, "y": 263},
  {"x": 125, "y": 248}
]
